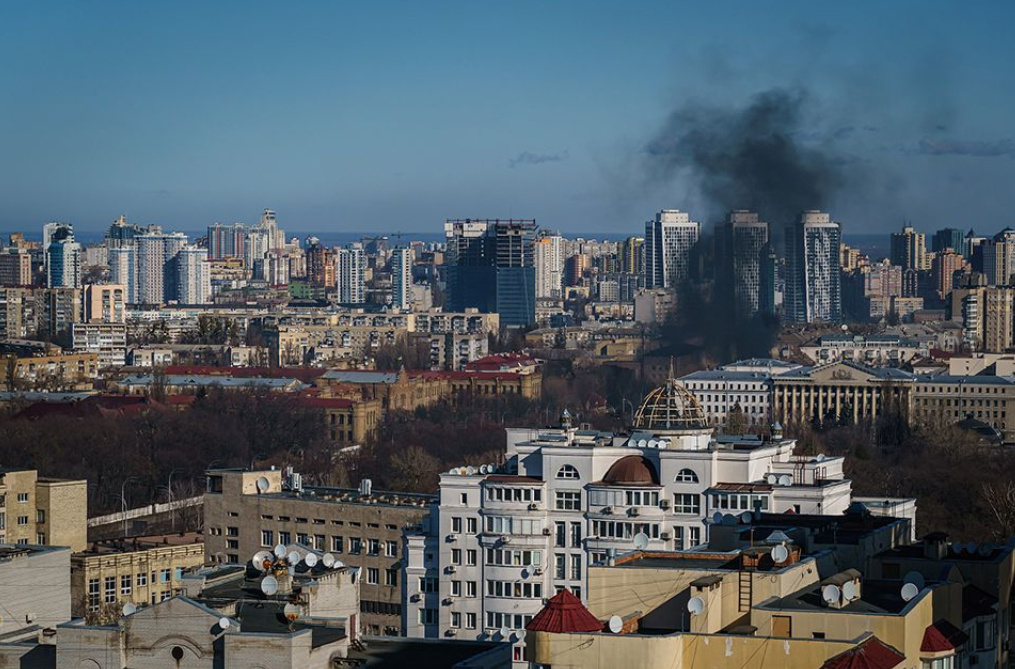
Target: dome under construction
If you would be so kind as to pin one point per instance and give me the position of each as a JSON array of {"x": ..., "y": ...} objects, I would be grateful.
[{"x": 670, "y": 408}]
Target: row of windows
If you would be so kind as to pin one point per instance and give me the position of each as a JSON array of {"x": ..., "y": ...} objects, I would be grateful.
[
  {"x": 569, "y": 472},
  {"x": 456, "y": 588},
  {"x": 525, "y": 494},
  {"x": 456, "y": 525},
  {"x": 339, "y": 544},
  {"x": 380, "y": 608},
  {"x": 599, "y": 497},
  {"x": 561, "y": 535},
  {"x": 617, "y": 529},
  {"x": 560, "y": 566},
  {"x": 470, "y": 556},
  {"x": 738, "y": 501},
  {"x": 513, "y": 621},
  {"x": 318, "y": 521},
  {"x": 514, "y": 589},
  {"x": 508, "y": 525},
  {"x": 513, "y": 558}
]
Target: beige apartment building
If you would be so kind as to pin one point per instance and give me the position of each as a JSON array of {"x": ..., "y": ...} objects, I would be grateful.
[
  {"x": 141, "y": 570},
  {"x": 37, "y": 510},
  {"x": 946, "y": 399},
  {"x": 105, "y": 303},
  {"x": 362, "y": 528}
]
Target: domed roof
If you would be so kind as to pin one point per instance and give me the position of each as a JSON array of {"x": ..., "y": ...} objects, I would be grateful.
[
  {"x": 632, "y": 470},
  {"x": 670, "y": 407}
]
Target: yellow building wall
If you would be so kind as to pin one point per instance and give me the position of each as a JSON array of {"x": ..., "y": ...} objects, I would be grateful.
[{"x": 65, "y": 507}]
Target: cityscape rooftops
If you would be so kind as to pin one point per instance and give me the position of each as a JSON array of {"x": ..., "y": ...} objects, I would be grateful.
[{"x": 134, "y": 544}]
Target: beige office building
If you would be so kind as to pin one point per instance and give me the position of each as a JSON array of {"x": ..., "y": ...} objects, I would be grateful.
[
  {"x": 844, "y": 391},
  {"x": 37, "y": 510}
]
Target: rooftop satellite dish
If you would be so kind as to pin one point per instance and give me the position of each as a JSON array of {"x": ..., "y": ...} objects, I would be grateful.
[
  {"x": 470, "y": 471},
  {"x": 291, "y": 612},
  {"x": 780, "y": 554},
  {"x": 280, "y": 551},
  {"x": 224, "y": 623},
  {"x": 717, "y": 517},
  {"x": 310, "y": 560},
  {"x": 641, "y": 541},
  {"x": 293, "y": 558},
  {"x": 129, "y": 608},
  {"x": 916, "y": 578},
  {"x": 504, "y": 632},
  {"x": 263, "y": 484},
  {"x": 958, "y": 547},
  {"x": 986, "y": 548},
  {"x": 831, "y": 594},
  {"x": 664, "y": 443},
  {"x": 820, "y": 458},
  {"x": 483, "y": 470},
  {"x": 328, "y": 560},
  {"x": 616, "y": 624},
  {"x": 729, "y": 519},
  {"x": 909, "y": 591},
  {"x": 652, "y": 443},
  {"x": 785, "y": 480},
  {"x": 696, "y": 606},
  {"x": 971, "y": 548},
  {"x": 746, "y": 517},
  {"x": 269, "y": 585},
  {"x": 338, "y": 564},
  {"x": 771, "y": 479},
  {"x": 849, "y": 591},
  {"x": 642, "y": 443}
]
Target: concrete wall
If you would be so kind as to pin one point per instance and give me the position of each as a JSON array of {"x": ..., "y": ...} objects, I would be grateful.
[
  {"x": 35, "y": 590},
  {"x": 66, "y": 512}
]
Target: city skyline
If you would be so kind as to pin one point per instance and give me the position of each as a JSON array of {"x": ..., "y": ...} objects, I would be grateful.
[{"x": 351, "y": 120}]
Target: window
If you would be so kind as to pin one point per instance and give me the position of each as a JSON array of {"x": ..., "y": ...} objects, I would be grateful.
[
  {"x": 568, "y": 472},
  {"x": 576, "y": 535},
  {"x": 40, "y": 516},
  {"x": 319, "y": 541},
  {"x": 560, "y": 569},
  {"x": 472, "y": 525},
  {"x": 428, "y": 616},
  {"x": 391, "y": 549},
  {"x": 373, "y": 575},
  {"x": 984, "y": 636},
  {"x": 267, "y": 538},
  {"x": 695, "y": 536},
  {"x": 456, "y": 556},
  {"x": 560, "y": 534},
  {"x": 336, "y": 544},
  {"x": 22, "y": 520},
  {"x": 470, "y": 588},
  {"x": 110, "y": 590},
  {"x": 284, "y": 538},
  {"x": 568, "y": 500},
  {"x": 687, "y": 503},
  {"x": 456, "y": 620},
  {"x": 576, "y": 567},
  {"x": 355, "y": 545},
  {"x": 142, "y": 579},
  {"x": 456, "y": 525},
  {"x": 939, "y": 663},
  {"x": 427, "y": 584},
  {"x": 164, "y": 576},
  {"x": 391, "y": 577},
  {"x": 470, "y": 557},
  {"x": 373, "y": 546},
  {"x": 126, "y": 581},
  {"x": 93, "y": 594},
  {"x": 301, "y": 538},
  {"x": 470, "y": 621},
  {"x": 232, "y": 531},
  {"x": 22, "y": 497},
  {"x": 464, "y": 499},
  {"x": 456, "y": 588}
]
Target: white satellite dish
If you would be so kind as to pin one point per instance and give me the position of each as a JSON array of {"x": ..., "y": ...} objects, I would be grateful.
[
  {"x": 916, "y": 578},
  {"x": 820, "y": 458},
  {"x": 470, "y": 471},
  {"x": 780, "y": 554},
  {"x": 224, "y": 623},
  {"x": 338, "y": 564},
  {"x": 483, "y": 470},
  {"x": 831, "y": 594},
  {"x": 293, "y": 558},
  {"x": 652, "y": 443},
  {"x": 746, "y": 517},
  {"x": 269, "y": 585},
  {"x": 280, "y": 551},
  {"x": 909, "y": 591},
  {"x": 129, "y": 608},
  {"x": 616, "y": 624},
  {"x": 695, "y": 606},
  {"x": 504, "y": 632},
  {"x": 641, "y": 541},
  {"x": 664, "y": 443},
  {"x": 310, "y": 560},
  {"x": 717, "y": 517},
  {"x": 291, "y": 612},
  {"x": 849, "y": 591},
  {"x": 328, "y": 560},
  {"x": 642, "y": 443},
  {"x": 786, "y": 480},
  {"x": 263, "y": 484},
  {"x": 771, "y": 479}
]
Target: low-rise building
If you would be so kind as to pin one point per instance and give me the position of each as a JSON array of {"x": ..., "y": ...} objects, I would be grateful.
[
  {"x": 41, "y": 510},
  {"x": 138, "y": 570},
  {"x": 875, "y": 350},
  {"x": 107, "y": 340},
  {"x": 744, "y": 386},
  {"x": 51, "y": 372},
  {"x": 840, "y": 392}
]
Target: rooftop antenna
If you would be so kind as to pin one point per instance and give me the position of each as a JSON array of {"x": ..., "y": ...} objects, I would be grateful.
[{"x": 616, "y": 624}]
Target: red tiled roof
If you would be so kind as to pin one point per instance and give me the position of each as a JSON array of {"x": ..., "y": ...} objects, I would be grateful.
[
  {"x": 564, "y": 613},
  {"x": 871, "y": 654},
  {"x": 942, "y": 637}
]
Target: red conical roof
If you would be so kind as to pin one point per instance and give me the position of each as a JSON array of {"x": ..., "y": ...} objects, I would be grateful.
[{"x": 564, "y": 613}]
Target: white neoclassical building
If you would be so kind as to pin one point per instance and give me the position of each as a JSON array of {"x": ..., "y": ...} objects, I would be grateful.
[{"x": 502, "y": 540}]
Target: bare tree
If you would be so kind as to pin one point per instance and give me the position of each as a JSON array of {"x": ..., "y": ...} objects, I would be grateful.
[{"x": 999, "y": 499}]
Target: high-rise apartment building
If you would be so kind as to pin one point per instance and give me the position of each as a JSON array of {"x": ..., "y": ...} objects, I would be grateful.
[
  {"x": 320, "y": 264},
  {"x": 105, "y": 303},
  {"x": 193, "y": 276},
  {"x": 998, "y": 257},
  {"x": 15, "y": 267},
  {"x": 63, "y": 257},
  {"x": 949, "y": 238},
  {"x": 123, "y": 270},
  {"x": 998, "y": 319},
  {"x": 490, "y": 266},
  {"x": 813, "y": 287},
  {"x": 669, "y": 239},
  {"x": 740, "y": 245},
  {"x": 549, "y": 264},
  {"x": 943, "y": 268},
  {"x": 157, "y": 268},
  {"x": 632, "y": 256},
  {"x": 350, "y": 263},
  {"x": 401, "y": 278},
  {"x": 909, "y": 249},
  {"x": 226, "y": 241}
]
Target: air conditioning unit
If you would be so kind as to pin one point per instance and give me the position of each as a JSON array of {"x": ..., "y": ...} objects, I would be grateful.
[
  {"x": 538, "y": 571},
  {"x": 533, "y": 506},
  {"x": 451, "y": 633},
  {"x": 664, "y": 504},
  {"x": 665, "y": 536},
  {"x": 452, "y": 537},
  {"x": 547, "y": 531},
  {"x": 546, "y": 600},
  {"x": 607, "y": 510},
  {"x": 451, "y": 569},
  {"x": 632, "y": 512},
  {"x": 448, "y": 601},
  {"x": 415, "y": 597},
  {"x": 504, "y": 538}
]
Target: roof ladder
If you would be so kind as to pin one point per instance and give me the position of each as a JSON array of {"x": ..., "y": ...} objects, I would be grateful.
[{"x": 746, "y": 591}]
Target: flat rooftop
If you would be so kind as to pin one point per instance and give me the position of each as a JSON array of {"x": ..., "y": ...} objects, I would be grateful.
[
  {"x": 135, "y": 544},
  {"x": 398, "y": 653},
  {"x": 876, "y": 597}
]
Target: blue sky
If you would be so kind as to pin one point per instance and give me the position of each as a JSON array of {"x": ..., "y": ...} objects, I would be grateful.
[{"x": 384, "y": 116}]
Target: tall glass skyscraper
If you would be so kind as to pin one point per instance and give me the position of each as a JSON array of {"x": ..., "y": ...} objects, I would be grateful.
[{"x": 813, "y": 286}]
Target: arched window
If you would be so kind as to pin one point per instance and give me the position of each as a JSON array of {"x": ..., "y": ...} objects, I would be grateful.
[
  {"x": 686, "y": 476},
  {"x": 567, "y": 472}
]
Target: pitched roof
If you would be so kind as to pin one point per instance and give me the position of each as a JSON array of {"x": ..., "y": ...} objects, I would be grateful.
[
  {"x": 564, "y": 613},
  {"x": 941, "y": 637},
  {"x": 871, "y": 654}
]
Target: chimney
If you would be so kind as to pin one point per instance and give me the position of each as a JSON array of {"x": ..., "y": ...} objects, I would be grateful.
[{"x": 935, "y": 546}]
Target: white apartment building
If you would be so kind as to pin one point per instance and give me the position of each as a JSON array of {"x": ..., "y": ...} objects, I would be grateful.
[
  {"x": 123, "y": 270},
  {"x": 669, "y": 239},
  {"x": 194, "y": 276},
  {"x": 401, "y": 279},
  {"x": 107, "y": 340},
  {"x": 746, "y": 384},
  {"x": 350, "y": 263},
  {"x": 153, "y": 253},
  {"x": 549, "y": 263},
  {"x": 502, "y": 540}
]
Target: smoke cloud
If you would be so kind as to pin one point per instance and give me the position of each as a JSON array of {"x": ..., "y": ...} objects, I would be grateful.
[
  {"x": 974, "y": 148},
  {"x": 761, "y": 156}
]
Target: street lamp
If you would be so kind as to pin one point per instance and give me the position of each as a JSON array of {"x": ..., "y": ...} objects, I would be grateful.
[
  {"x": 123, "y": 502},
  {"x": 169, "y": 489}
]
